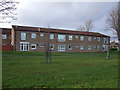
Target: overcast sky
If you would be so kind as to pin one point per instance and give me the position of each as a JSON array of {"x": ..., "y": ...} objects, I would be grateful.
[{"x": 66, "y": 15}]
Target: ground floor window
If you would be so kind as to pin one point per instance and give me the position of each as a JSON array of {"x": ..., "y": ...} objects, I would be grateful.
[
  {"x": 61, "y": 47},
  {"x": 89, "y": 47},
  {"x": 33, "y": 46},
  {"x": 24, "y": 46},
  {"x": 105, "y": 47},
  {"x": 69, "y": 47},
  {"x": 51, "y": 46},
  {"x": 81, "y": 47}
]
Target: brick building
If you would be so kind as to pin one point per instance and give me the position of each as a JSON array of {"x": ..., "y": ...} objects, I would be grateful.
[
  {"x": 26, "y": 38},
  {"x": 5, "y": 43}
]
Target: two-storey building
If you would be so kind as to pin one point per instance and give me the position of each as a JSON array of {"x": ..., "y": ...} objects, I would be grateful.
[{"x": 26, "y": 38}]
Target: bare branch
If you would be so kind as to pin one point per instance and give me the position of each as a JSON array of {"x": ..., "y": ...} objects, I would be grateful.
[
  {"x": 89, "y": 25},
  {"x": 8, "y": 10}
]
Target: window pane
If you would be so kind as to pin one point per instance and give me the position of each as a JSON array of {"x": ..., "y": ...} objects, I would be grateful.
[
  {"x": 51, "y": 36},
  {"x": 23, "y": 36},
  {"x": 61, "y": 38},
  {"x": 33, "y": 35},
  {"x": 4, "y": 36}
]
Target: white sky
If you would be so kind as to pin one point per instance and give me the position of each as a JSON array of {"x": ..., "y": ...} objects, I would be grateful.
[{"x": 67, "y": 15}]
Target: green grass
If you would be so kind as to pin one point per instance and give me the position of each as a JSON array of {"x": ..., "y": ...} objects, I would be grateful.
[{"x": 86, "y": 70}]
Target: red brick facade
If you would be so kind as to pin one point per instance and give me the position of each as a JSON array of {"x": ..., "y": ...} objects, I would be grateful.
[{"x": 40, "y": 42}]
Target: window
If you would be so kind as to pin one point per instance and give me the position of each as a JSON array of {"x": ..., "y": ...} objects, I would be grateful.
[
  {"x": 41, "y": 34},
  {"x": 4, "y": 36},
  {"x": 76, "y": 36},
  {"x": 24, "y": 46},
  {"x": 69, "y": 47},
  {"x": 94, "y": 47},
  {"x": 89, "y": 38},
  {"x": 61, "y": 38},
  {"x": 33, "y": 46},
  {"x": 76, "y": 46},
  {"x": 105, "y": 40},
  {"x": 33, "y": 35},
  {"x": 41, "y": 45},
  {"x": 82, "y": 38},
  {"x": 98, "y": 47},
  {"x": 61, "y": 47},
  {"x": 98, "y": 38},
  {"x": 23, "y": 36},
  {"x": 51, "y": 36},
  {"x": 105, "y": 47},
  {"x": 94, "y": 37},
  {"x": 70, "y": 37},
  {"x": 89, "y": 47},
  {"x": 51, "y": 46},
  {"x": 81, "y": 47}
]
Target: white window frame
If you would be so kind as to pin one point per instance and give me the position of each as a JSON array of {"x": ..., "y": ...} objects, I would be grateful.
[
  {"x": 25, "y": 47},
  {"x": 70, "y": 37},
  {"x": 42, "y": 34},
  {"x": 81, "y": 47},
  {"x": 63, "y": 39},
  {"x": 89, "y": 38},
  {"x": 33, "y": 35},
  {"x": 61, "y": 47},
  {"x": 98, "y": 39},
  {"x": 89, "y": 47},
  {"x": 50, "y": 46},
  {"x": 23, "y": 35},
  {"x": 4, "y": 36},
  {"x": 105, "y": 40},
  {"x": 33, "y": 45},
  {"x": 51, "y": 36},
  {"x": 41, "y": 45},
  {"x": 94, "y": 37},
  {"x": 70, "y": 46},
  {"x": 76, "y": 45},
  {"x": 82, "y": 38},
  {"x": 105, "y": 47},
  {"x": 98, "y": 47},
  {"x": 76, "y": 36}
]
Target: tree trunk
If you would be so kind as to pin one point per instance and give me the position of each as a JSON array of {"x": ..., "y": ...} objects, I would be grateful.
[{"x": 108, "y": 53}]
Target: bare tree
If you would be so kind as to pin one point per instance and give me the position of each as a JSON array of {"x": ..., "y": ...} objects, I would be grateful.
[
  {"x": 89, "y": 25},
  {"x": 8, "y": 10},
  {"x": 81, "y": 28},
  {"x": 114, "y": 22}
]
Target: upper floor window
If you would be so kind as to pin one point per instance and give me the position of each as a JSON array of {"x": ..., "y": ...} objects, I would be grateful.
[
  {"x": 94, "y": 37},
  {"x": 23, "y": 36},
  {"x": 105, "y": 40},
  {"x": 76, "y": 36},
  {"x": 4, "y": 36},
  {"x": 61, "y": 38},
  {"x": 41, "y": 34},
  {"x": 98, "y": 38},
  {"x": 70, "y": 37},
  {"x": 33, "y": 35},
  {"x": 82, "y": 38},
  {"x": 81, "y": 47},
  {"x": 89, "y": 47},
  {"x": 89, "y": 38},
  {"x": 51, "y": 36}
]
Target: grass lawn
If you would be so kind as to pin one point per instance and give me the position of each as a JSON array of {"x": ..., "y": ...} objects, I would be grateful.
[{"x": 67, "y": 70}]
